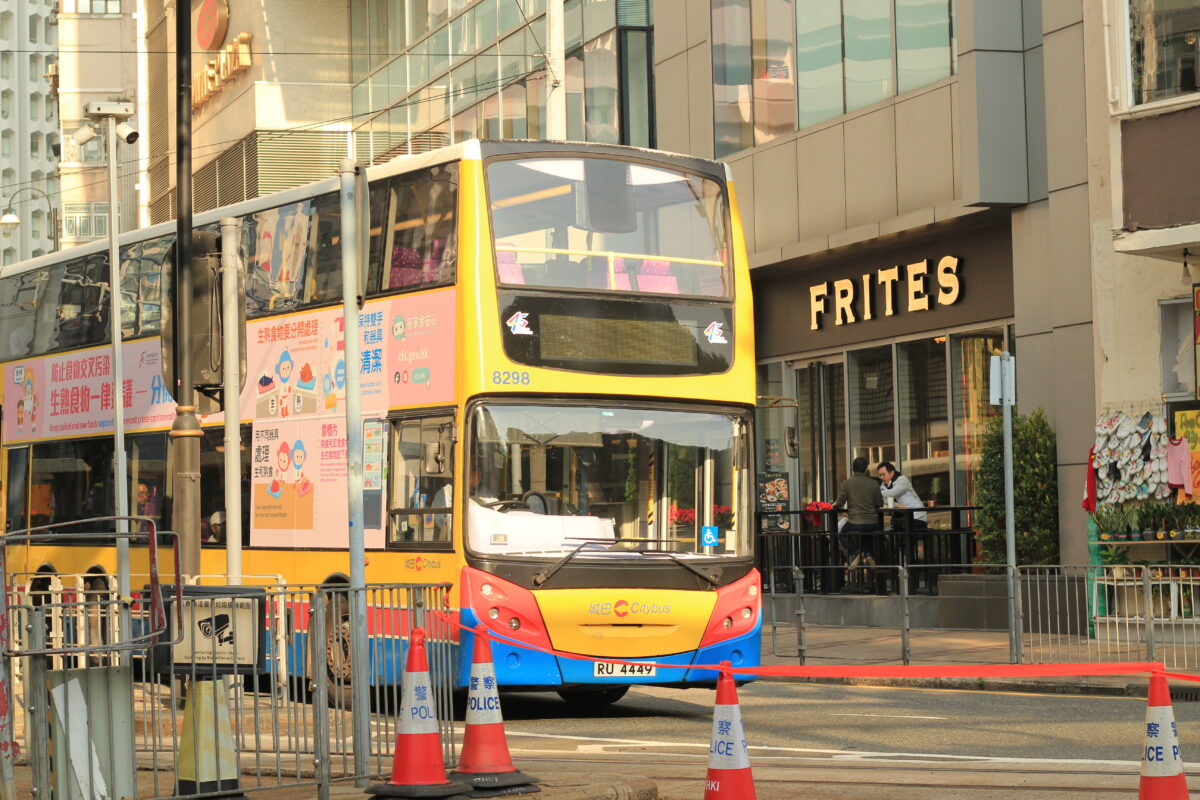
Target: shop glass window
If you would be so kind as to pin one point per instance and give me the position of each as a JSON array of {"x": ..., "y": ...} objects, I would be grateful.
[
  {"x": 487, "y": 69},
  {"x": 213, "y": 520},
  {"x": 439, "y": 50},
  {"x": 1164, "y": 49},
  {"x": 1177, "y": 349},
  {"x": 872, "y": 421},
  {"x": 423, "y": 226},
  {"x": 922, "y": 43},
  {"x": 465, "y": 126},
  {"x": 970, "y": 359},
  {"x": 923, "y": 414},
  {"x": 146, "y": 461},
  {"x": 463, "y": 92},
  {"x": 16, "y": 517},
  {"x": 773, "y": 24},
  {"x": 868, "y": 42},
  {"x": 71, "y": 480},
  {"x": 420, "y": 498},
  {"x": 600, "y": 89},
  {"x": 819, "y": 56}
]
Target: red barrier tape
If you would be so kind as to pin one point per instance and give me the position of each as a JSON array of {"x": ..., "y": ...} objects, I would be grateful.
[{"x": 868, "y": 671}]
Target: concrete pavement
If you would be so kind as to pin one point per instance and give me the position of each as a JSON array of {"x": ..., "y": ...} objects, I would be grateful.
[{"x": 826, "y": 645}]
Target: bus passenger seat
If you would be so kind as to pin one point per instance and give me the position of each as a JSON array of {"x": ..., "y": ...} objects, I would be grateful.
[
  {"x": 598, "y": 274},
  {"x": 406, "y": 268},
  {"x": 655, "y": 276},
  {"x": 507, "y": 267}
]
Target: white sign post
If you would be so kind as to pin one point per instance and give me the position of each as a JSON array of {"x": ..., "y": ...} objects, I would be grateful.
[{"x": 1004, "y": 394}]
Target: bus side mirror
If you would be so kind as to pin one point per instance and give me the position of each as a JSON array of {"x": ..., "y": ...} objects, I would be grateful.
[{"x": 790, "y": 445}]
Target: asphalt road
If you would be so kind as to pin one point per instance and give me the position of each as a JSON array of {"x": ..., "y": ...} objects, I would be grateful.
[{"x": 857, "y": 742}]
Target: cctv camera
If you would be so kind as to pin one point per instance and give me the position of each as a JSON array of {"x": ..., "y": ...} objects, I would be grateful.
[
  {"x": 127, "y": 133},
  {"x": 84, "y": 135}
]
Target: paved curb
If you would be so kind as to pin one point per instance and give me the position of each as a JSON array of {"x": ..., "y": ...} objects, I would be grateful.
[{"x": 1133, "y": 689}]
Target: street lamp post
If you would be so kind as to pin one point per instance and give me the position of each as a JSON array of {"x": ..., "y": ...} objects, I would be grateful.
[
  {"x": 113, "y": 115},
  {"x": 9, "y": 220}
]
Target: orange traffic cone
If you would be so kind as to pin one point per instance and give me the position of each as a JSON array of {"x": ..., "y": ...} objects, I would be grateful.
[
  {"x": 418, "y": 769},
  {"x": 485, "y": 762},
  {"x": 729, "y": 776},
  {"x": 1162, "y": 764}
]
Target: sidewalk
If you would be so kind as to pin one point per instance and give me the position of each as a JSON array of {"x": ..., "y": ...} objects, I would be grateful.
[
  {"x": 557, "y": 784},
  {"x": 829, "y": 645}
]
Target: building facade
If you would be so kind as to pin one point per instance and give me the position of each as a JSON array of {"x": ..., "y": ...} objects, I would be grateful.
[
  {"x": 98, "y": 62},
  {"x": 29, "y": 136},
  {"x": 270, "y": 98}
]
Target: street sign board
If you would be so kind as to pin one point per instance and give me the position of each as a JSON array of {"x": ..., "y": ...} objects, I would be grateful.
[{"x": 223, "y": 632}]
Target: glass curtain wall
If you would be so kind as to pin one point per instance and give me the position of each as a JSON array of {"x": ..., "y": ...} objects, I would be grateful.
[
  {"x": 783, "y": 65},
  {"x": 970, "y": 355},
  {"x": 427, "y": 73},
  {"x": 923, "y": 416},
  {"x": 921, "y": 404},
  {"x": 870, "y": 401}
]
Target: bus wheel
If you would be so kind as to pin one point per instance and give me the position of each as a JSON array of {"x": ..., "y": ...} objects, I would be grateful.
[
  {"x": 331, "y": 660},
  {"x": 593, "y": 698}
]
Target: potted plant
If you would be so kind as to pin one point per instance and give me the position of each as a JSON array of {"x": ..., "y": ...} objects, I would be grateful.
[{"x": 1174, "y": 521}]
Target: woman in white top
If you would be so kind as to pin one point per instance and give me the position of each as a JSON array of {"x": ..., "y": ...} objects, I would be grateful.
[{"x": 900, "y": 489}]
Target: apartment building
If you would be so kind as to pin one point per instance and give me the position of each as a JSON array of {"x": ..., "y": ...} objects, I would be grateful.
[{"x": 29, "y": 136}]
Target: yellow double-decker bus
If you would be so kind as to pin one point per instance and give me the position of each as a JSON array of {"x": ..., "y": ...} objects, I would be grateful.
[{"x": 557, "y": 387}]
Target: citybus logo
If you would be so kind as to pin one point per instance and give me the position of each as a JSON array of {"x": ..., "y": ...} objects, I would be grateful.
[{"x": 623, "y": 608}]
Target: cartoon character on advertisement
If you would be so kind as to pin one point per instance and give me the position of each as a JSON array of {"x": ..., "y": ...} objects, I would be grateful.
[
  {"x": 299, "y": 456},
  {"x": 283, "y": 370},
  {"x": 30, "y": 402},
  {"x": 333, "y": 380},
  {"x": 283, "y": 463}
]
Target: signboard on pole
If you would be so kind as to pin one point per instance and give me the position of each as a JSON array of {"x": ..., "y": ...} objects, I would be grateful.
[{"x": 222, "y": 632}]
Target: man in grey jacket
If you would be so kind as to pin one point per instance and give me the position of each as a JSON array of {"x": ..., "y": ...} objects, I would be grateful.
[
  {"x": 900, "y": 489},
  {"x": 860, "y": 496}
]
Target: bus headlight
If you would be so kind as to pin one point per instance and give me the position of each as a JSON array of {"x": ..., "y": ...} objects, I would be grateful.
[
  {"x": 728, "y": 623},
  {"x": 493, "y": 613},
  {"x": 514, "y": 623},
  {"x": 747, "y": 613},
  {"x": 487, "y": 590}
]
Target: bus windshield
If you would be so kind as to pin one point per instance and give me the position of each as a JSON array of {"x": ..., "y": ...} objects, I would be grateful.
[
  {"x": 600, "y": 224},
  {"x": 613, "y": 481}
]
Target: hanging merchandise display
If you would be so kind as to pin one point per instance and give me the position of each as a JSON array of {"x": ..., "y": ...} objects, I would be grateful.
[
  {"x": 1130, "y": 458},
  {"x": 1179, "y": 465}
]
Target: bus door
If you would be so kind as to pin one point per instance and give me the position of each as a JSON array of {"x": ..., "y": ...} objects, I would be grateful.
[{"x": 421, "y": 483}]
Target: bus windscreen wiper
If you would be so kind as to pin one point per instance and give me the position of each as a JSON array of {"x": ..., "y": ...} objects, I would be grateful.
[{"x": 545, "y": 575}]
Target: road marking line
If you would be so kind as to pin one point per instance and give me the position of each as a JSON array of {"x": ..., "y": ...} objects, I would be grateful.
[
  {"x": 889, "y": 716},
  {"x": 598, "y": 744}
]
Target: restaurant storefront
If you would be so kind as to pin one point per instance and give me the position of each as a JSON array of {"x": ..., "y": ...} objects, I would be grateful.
[{"x": 886, "y": 347}]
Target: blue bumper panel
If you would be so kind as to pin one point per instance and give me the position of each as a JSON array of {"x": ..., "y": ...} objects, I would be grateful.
[
  {"x": 515, "y": 666},
  {"x": 744, "y": 651}
]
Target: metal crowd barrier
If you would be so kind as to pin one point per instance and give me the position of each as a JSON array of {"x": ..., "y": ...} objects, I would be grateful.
[
  {"x": 190, "y": 710},
  {"x": 1112, "y": 613}
]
